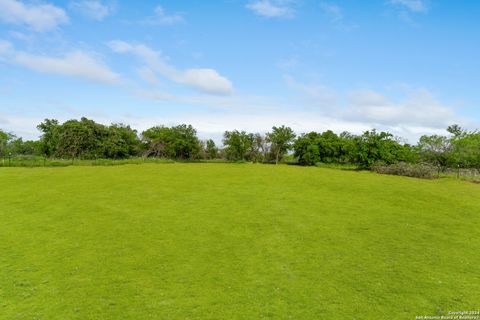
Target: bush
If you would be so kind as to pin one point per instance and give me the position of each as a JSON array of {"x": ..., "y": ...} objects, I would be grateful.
[{"x": 406, "y": 169}]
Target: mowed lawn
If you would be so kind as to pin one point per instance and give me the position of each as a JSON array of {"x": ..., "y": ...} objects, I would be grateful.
[{"x": 234, "y": 241}]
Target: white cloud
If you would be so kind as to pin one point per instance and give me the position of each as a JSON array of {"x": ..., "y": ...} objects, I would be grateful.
[
  {"x": 39, "y": 17},
  {"x": 316, "y": 95},
  {"x": 408, "y": 8},
  {"x": 76, "y": 64},
  {"x": 157, "y": 96},
  {"x": 93, "y": 9},
  {"x": 213, "y": 115},
  {"x": 213, "y": 125},
  {"x": 412, "y": 5},
  {"x": 203, "y": 79},
  {"x": 418, "y": 109},
  {"x": 161, "y": 17},
  {"x": 333, "y": 11},
  {"x": 20, "y": 125},
  {"x": 415, "y": 112},
  {"x": 207, "y": 80},
  {"x": 5, "y": 48},
  {"x": 20, "y": 36},
  {"x": 148, "y": 75},
  {"x": 288, "y": 63},
  {"x": 272, "y": 8}
]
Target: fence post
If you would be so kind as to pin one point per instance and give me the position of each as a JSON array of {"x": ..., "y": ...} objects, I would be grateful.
[{"x": 9, "y": 159}]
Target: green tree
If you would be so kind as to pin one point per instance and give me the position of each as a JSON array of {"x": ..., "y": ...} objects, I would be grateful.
[
  {"x": 19, "y": 147},
  {"x": 281, "y": 139},
  {"x": 179, "y": 142},
  {"x": 378, "y": 147},
  {"x": 306, "y": 149},
  {"x": 465, "y": 149},
  {"x": 50, "y": 129},
  {"x": 5, "y": 139},
  {"x": 238, "y": 145},
  {"x": 211, "y": 149},
  {"x": 121, "y": 141},
  {"x": 85, "y": 138},
  {"x": 456, "y": 131},
  {"x": 326, "y": 147},
  {"x": 76, "y": 140},
  {"x": 435, "y": 149},
  {"x": 260, "y": 148}
]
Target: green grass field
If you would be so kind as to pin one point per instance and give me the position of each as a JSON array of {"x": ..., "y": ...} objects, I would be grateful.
[{"x": 234, "y": 241}]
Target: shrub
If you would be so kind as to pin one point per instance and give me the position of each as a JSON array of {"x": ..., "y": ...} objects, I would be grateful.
[{"x": 406, "y": 169}]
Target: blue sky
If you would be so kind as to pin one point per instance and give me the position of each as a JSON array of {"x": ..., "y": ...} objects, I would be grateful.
[{"x": 407, "y": 66}]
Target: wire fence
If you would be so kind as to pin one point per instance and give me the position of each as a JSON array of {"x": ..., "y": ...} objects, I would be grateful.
[
  {"x": 470, "y": 173},
  {"x": 38, "y": 161}
]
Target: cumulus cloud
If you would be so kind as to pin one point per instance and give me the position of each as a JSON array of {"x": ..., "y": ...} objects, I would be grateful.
[
  {"x": 412, "y": 5},
  {"x": 272, "y": 8},
  {"x": 93, "y": 9},
  {"x": 203, "y": 79},
  {"x": 75, "y": 64},
  {"x": 39, "y": 17}
]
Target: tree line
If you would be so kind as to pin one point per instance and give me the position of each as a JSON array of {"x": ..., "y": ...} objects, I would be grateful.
[{"x": 86, "y": 139}]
